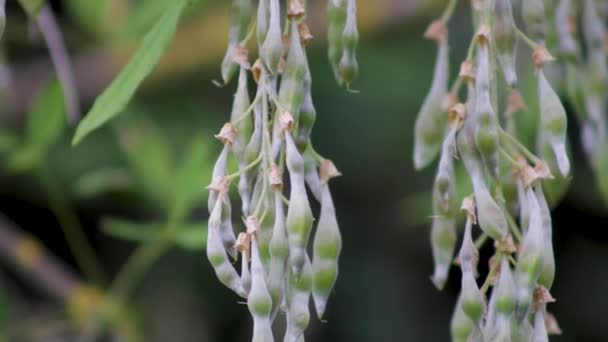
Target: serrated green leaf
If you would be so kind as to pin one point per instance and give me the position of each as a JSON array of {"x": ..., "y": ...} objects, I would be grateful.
[
  {"x": 115, "y": 98},
  {"x": 150, "y": 159},
  {"x": 189, "y": 181},
  {"x": 102, "y": 181},
  {"x": 32, "y": 7}
]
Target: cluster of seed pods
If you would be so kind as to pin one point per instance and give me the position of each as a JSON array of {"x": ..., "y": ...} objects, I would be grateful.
[
  {"x": 508, "y": 203},
  {"x": 268, "y": 137}
]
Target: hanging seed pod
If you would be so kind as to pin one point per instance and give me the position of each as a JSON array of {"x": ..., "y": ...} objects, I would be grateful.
[
  {"x": 220, "y": 169},
  {"x": 2, "y": 17},
  {"x": 431, "y": 120},
  {"x": 216, "y": 253},
  {"x": 262, "y": 22},
  {"x": 311, "y": 174},
  {"x": 568, "y": 46},
  {"x": 504, "y": 298},
  {"x": 299, "y": 214},
  {"x": 471, "y": 297},
  {"x": 308, "y": 114},
  {"x": 540, "y": 330},
  {"x": 349, "y": 67},
  {"x": 272, "y": 48},
  {"x": 336, "y": 10},
  {"x": 547, "y": 263},
  {"x": 327, "y": 245},
  {"x": 553, "y": 122},
  {"x": 239, "y": 20},
  {"x": 298, "y": 292},
  {"x": 226, "y": 229},
  {"x": 251, "y": 153},
  {"x": 443, "y": 242},
  {"x": 505, "y": 40},
  {"x": 593, "y": 27},
  {"x": 264, "y": 235},
  {"x": 292, "y": 91},
  {"x": 239, "y": 107},
  {"x": 243, "y": 245},
  {"x": 259, "y": 300},
  {"x": 279, "y": 252},
  {"x": 533, "y": 13},
  {"x": 486, "y": 122},
  {"x": 461, "y": 326}
]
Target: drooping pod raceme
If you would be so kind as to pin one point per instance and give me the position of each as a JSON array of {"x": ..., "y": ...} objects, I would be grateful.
[
  {"x": 336, "y": 10},
  {"x": 505, "y": 40},
  {"x": 239, "y": 20},
  {"x": 327, "y": 245},
  {"x": 272, "y": 48},
  {"x": 349, "y": 67},
  {"x": 432, "y": 120},
  {"x": 259, "y": 300}
]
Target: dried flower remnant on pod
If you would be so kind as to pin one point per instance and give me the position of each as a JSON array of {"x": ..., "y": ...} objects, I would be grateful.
[
  {"x": 508, "y": 208},
  {"x": 268, "y": 136}
]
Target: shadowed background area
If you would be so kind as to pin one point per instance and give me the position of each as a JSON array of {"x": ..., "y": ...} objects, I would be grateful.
[{"x": 122, "y": 176}]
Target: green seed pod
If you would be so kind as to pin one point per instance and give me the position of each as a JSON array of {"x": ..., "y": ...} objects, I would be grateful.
[
  {"x": 505, "y": 40},
  {"x": 245, "y": 272},
  {"x": 540, "y": 329},
  {"x": 444, "y": 191},
  {"x": 443, "y": 241},
  {"x": 468, "y": 254},
  {"x": 461, "y": 326},
  {"x": 311, "y": 174},
  {"x": 505, "y": 289},
  {"x": 486, "y": 121},
  {"x": 547, "y": 262},
  {"x": 432, "y": 120},
  {"x": 217, "y": 254},
  {"x": 272, "y": 48},
  {"x": 568, "y": 46},
  {"x": 259, "y": 300},
  {"x": 327, "y": 245},
  {"x": 239, "y": 107},
  {"x": 593, "y": 27},
  {"x": 336, "y": 10},
  {"x": 292, "y": 91},
  {"x": 264, "y": 236},
  {"x": 298, "y": 297},
  {"x": 490, "y": 217},
  {"x": 279, "y": 252},
  {"x": 263, "y": 22},
  {"x": 2, "y": 17},
  {"x": 220, "y": 169},
  {"x": 533, "y": 13},
  {"x": 226, "y": 229},
  {"x": 299, "y": 215},
  {"x": 553, "y": 122},
  {"x": 308, "y": 114},
  {"x": 472, "y": 300},
  {"x": 251, "y": 153},
  {"x": 239, "y": 20},
  {"x": 349, "y": 67}
]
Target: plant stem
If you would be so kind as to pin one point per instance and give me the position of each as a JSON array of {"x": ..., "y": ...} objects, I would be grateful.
[{"x": 448, "y": 11}]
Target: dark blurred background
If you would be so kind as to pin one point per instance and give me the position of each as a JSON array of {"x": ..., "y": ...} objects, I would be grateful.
[{"x": 383, "y": 205}]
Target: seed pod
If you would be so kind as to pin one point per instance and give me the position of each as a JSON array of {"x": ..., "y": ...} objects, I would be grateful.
[
  {"x": 472, "y": 300},
  {"x": 308, "y": 114},
  {"x": 568, "y": 46},
  {"x": 505, "y": 40},
  {"x": 327, "y": 245},
  {"x": 226, "y": 229},
  {"x": 272, "y": 48},
  {"x": 217, "y": 254},
  {"x": 533, "y": 13},
  {"x": 220, "y": 169},
  {"x": 505, "y": 289},
  {"x": 490, "y": 217},
  {"x": 299, "y": 215},
  {"x": 461, "y": 326},
  {"x": 431, "y": 120},
  {"x": 444, "y": 192},
  {"x": 259, "y": 300},
  {"x": 279, "y": 251},
  {"x": 540, "y": 330},
  {"x": 336, "y": 10},
  {"x": 239, "y": 20},
  {"x": 245, "y": 271},
  {"x": 2, "y": 17},
  {"x": 349, "y": 67},
  {"x": 251, "y": 153},
  {"x": 292, "y": 91},
  {"x": 593, "y": 27},
  {"x": 553, "y": 122},
  {"x": 263, "y": 22},
  {"x": 239, "y": 107},
  {"x": 486, "y": 122},
  {"x": 298, "y": 297},
  {"x": 264, "y": 236},
  {"x": 311, "y": 174},
  {"x": 547, "y": 262},
  {"x": 443, "y": 241},
  {"x": 524, "y": 209}
]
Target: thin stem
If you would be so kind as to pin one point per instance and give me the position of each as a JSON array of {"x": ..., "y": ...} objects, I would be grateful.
[
  {"x": 448, "y": 11},
  {"x": 513, "y": 226},
  {"x": 246, "y": 168},
  {"x": 248, "y": 111},
  {"x": 493, "y": 269},
  {"x": 508, "y": 157},
  {"x": 532, "y": 44},
  {"x": 519, "y": 145},
  {"x": 481, "y": 240},
  {"x": 250, "y": 33}
]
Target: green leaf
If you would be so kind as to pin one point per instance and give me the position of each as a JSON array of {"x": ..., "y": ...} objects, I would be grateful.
[
  {"x": 102, "y": 181},
  {"x": 189, "y": 181},
  {"x": 150, "y": 158},
  {"x": 115, "y": 98},
  {"x": 32, "y": 7},
  {"x": 88, "y": 13},
  {"x": 191, "y": 237},
  {"x": 8, "y": 140}
]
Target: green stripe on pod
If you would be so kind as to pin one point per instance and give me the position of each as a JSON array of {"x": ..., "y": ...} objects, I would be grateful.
[
  {"x": 327, "y": 245},
  {"x": 239, "y": 20},
  {"x": 349, "y": 67},
  {"x": 299, "y": 215},
  {"x": 336, "y": 10},
  {"x": 279, "y": 252},
  {"x": 298, "y": 297},
  {"x": 216, "y": 253},
  {"x": 272, "y": 48},
  {"x": 259, "y": 301}
]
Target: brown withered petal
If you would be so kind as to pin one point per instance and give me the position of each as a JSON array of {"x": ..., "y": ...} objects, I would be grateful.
[
  {"x": 467, "y": 71},
  {"x": 227, "y": 134},
  {"x": 457, "y": 113},
  {"x": 515, "y": 103},
  {"x": 286, "y": 121},
  {"x": 220, "y": 185},
  {"x": 328, "y": 170},
  {"x": 449, "y": 100},
  {"x": 243, "y": 242},
  {"x": 305, "y": 35},
  {"x": 296, "y": 9},
  {"x": 275, "y": 177},
  {"x": 541, "y": 56},
  {"x": 505, "y": 245},
  {"x": 542, "y": 170},
  {"x": 528, "y": 176},
  {"x": 241, "y": 56},
  {"x": 256, "y": 70},
  {"x": 253, "y": 224},
  {"x": 483, "y": 34},
  {"x": 551, "y": 324},
  {"x": 468, "y": 205},
  {"x": 491, "y": 264},
  {"x": 541, "y": 296},
  {"x": 436, "y": 31}
]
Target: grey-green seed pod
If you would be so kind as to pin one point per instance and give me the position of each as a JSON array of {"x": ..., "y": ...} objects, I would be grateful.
[
  {"x": 533, "y": 13},
  {"x": 308, "y": 114},
  {"x": 461, "y": 326},
  {"x": 336, "y": 10},
  {"x": 292, "y": 91},
  {"x": 2, "y": 17},
  {"x": 239, "y": 19},
  {"x": 311, "y": 174},
  {"x": 266, "y": 228},
  {"x": 524, "y": 209},
  {"x": 593, "y": 27},
  {"x": 521, "y": 331},
  {"x": 298, "y": 297},
  {"x": 505, "y": 40},
  {"x": 327, "y": 245},
  {"x": 432, "y": 120},
  {"x": 349, "y": 67},
  {"x": 259, "y": 300},
  {"x": 486, "y": 121},
  {"x": 216, "y": 253},
  {"x": 472, "y": 299},
  {"x": 443, "y": 241},
  {"x": 468, "y": 254},
  {"x": 568, "y": 46},
  {"x": 299, "y": 214},
  {"x": 490, "y": 217},
  {"x": 444, "y": 190},
  {"x": 547, "y": 264},
  {"x": 239, "y": 106},
  {"x": 245, "y": 271},
  {"x": 540, "y": 330},
  {"x": 553, "y": 122},
  {"x": 226, "y": 229},
  {"x": 279, "y": 252},
  {"x": 272, "y": 48},
  {"x": 263, "y": 22},
  {"x": 219, "y": 170},
  {"x": 505, "y": 289}
]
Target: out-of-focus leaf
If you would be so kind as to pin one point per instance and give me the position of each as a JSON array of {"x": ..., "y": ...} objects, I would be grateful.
[
  {"x": 32, "y": 7},
  {"x": 8, "y": 140},
  {"x": 114, "y": 99},
  {"x": 88, "y": 13},
  {"x": 150, "y": 158},
  {"x": 189, "y": 181},
  {"x": 102, "y": 181},
  {"x": 144, "y": 14},
  {"x": 192, "y": 236}
]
